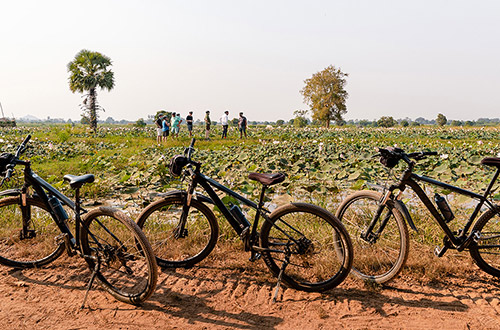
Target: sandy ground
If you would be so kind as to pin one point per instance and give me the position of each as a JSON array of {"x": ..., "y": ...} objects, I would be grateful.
[{"x": 229, "y": 292}]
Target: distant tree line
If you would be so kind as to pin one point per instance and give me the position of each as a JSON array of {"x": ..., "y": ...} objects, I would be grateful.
[
  {"x": 300, "y": 120},
  {"x": 439, "y": 121}
]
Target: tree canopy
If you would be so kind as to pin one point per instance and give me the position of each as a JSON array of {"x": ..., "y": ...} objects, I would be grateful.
[
  {"x": 300, "y": 119},
  {"x": 89, "y": 71},
  {"x": 441, "y": 120},
  {"x": 325, "y": 94},
  {"x": 386, "y": 121}
]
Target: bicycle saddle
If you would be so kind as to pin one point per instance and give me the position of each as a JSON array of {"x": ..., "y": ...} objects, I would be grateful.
[
  {"x": 491, "y": 161},
  {"x": 76, "y": 182},
  {"x": 267, "y": 178}
]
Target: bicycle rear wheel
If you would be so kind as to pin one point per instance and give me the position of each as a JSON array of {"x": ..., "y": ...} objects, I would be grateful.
[
  {"x": 379, "y": 258},
  {"x": 37, "y": 246},
  {"x": 315, "y": 242},
  {"x": 114, "y": 245},
  {"x": 160, "y": 222},
  {"x": 486, "y": 250}
]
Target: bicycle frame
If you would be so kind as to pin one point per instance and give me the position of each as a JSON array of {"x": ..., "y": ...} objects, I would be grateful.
[
  {"x": 207, "y": 183},
  {"x": 461, "y": 240},
  {"x": 41, "y": 188}
]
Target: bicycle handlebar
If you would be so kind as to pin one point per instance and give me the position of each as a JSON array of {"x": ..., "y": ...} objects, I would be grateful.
[
  {"x": 22, "y": 146},
  {"x": 13, "y": 162},
  {"x": 422, "y": 154},
  {"x": 393, "y": 155},
  {"x": 189, "y": 150}
]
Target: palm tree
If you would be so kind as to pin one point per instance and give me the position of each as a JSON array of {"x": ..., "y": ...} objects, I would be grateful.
[{"x": 89, "y": 70}]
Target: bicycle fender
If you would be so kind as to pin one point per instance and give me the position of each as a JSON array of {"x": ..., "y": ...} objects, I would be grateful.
[
  {"x": 10, "y": 192},
  {"x": 182, "y": 193},
  {"x": 401, "y": 207}
]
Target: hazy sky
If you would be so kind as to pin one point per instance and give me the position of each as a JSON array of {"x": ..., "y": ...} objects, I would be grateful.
[{"x": 404, "y": 58}]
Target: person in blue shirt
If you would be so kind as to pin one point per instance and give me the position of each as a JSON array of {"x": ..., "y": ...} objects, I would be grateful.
[
  {"x": 165, "y": 128},
  {"x": 176, "y": 125}
]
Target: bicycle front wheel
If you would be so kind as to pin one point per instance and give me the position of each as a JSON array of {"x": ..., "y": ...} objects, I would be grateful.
[
  {"x": 486, "y": 250},
  {"x": 172, "y": 246},
  {"x": 382, "y": 255},
  {"x": 308, "y": 245},
  {"x": 115, "y": 247},
  {"x": 35, "y": 246}
]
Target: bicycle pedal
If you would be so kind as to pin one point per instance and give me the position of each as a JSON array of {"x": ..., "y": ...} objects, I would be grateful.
[{"x": 440, "y": 251}]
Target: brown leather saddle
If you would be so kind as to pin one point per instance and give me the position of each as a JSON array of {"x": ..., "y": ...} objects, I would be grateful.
[{"x": 267, "y": 179}]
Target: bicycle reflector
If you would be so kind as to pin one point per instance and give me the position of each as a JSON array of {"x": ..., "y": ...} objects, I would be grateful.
[{"x": 176, "y": 164}]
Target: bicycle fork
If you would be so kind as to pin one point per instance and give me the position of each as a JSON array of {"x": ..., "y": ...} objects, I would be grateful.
[
  {"x": 368, "y": 235},
  {"x": 25, "y": 232},
  {"x": 181, "y": 231}
]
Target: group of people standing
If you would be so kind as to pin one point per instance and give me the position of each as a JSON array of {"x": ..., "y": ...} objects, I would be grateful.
[{"x": 166, "y": 125}]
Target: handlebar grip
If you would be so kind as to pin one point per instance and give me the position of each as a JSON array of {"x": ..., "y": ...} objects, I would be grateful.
[
  {"x": 189, "y": 150},
  {"x": 28, "y": 138},
  {"x": 430, "y": 153},
  {"x": 22, "y": 146}
]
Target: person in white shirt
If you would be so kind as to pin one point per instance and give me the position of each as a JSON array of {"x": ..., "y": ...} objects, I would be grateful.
[{"x": 224, "y": 120}]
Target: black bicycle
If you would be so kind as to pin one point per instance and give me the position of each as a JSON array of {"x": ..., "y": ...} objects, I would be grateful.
[
  {"x": 376, "y": 221},
  {"x": 304, "y": 245},
  {"x": 34, "y": 232}
]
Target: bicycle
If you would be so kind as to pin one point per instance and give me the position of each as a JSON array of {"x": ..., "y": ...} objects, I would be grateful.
[
  {"x": 34, "y": 232},
  {"x": 303, "y": 245},
  {"x": 377, "y": 221}
]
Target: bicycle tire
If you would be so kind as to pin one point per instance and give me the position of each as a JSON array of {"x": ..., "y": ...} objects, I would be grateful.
[
  {"x": 159, "y": 220},
  {"x": 486, "y": 256},
  {"x": 314, "y": 236},
  {"x": 126, "y": 262},
  {"x": 40, "y": 247},
  {"x": 383, "y": 260}
]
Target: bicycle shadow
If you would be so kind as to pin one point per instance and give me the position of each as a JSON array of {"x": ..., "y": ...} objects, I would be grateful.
[
  {"x": 200, "y": 306},
  {"x": 414, "y": 297},
  {"x": 377, "y": 301},
  {"x": 50, "y": 276},
  {"x": 194, "y": 308},
  {"x": 197, "y": 306}
]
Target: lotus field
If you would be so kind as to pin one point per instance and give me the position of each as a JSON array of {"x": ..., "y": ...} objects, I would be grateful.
[{"x": 322, "y": 165}]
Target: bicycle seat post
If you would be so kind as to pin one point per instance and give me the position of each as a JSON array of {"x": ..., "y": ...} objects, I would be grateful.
[
  {"x": 262, "y": 194},
  {"x": 77, "y": 200}
]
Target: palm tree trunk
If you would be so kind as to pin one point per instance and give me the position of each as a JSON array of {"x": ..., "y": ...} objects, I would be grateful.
[{"x": 93, "y": 110}]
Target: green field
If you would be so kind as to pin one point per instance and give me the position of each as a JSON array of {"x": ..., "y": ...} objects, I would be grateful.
[
  {"x": 317, "y": 161},
  {"x": 322, "y": 165}
]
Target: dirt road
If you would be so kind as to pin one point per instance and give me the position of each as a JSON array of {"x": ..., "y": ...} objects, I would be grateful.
[{"x": 228, "y": 292}]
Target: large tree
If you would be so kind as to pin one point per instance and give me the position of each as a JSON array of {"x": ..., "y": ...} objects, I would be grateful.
[
  {"x": 386, "y": 121},
  {"x": 441, "y": 119},
  {"x": 89, "y": 71},
  {"x": 325, "y": 94}
]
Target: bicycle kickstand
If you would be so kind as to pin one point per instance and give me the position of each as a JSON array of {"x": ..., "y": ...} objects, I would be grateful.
[
  {"x": 91, "y": 282},
  {"x": 280, "y": 275}
]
